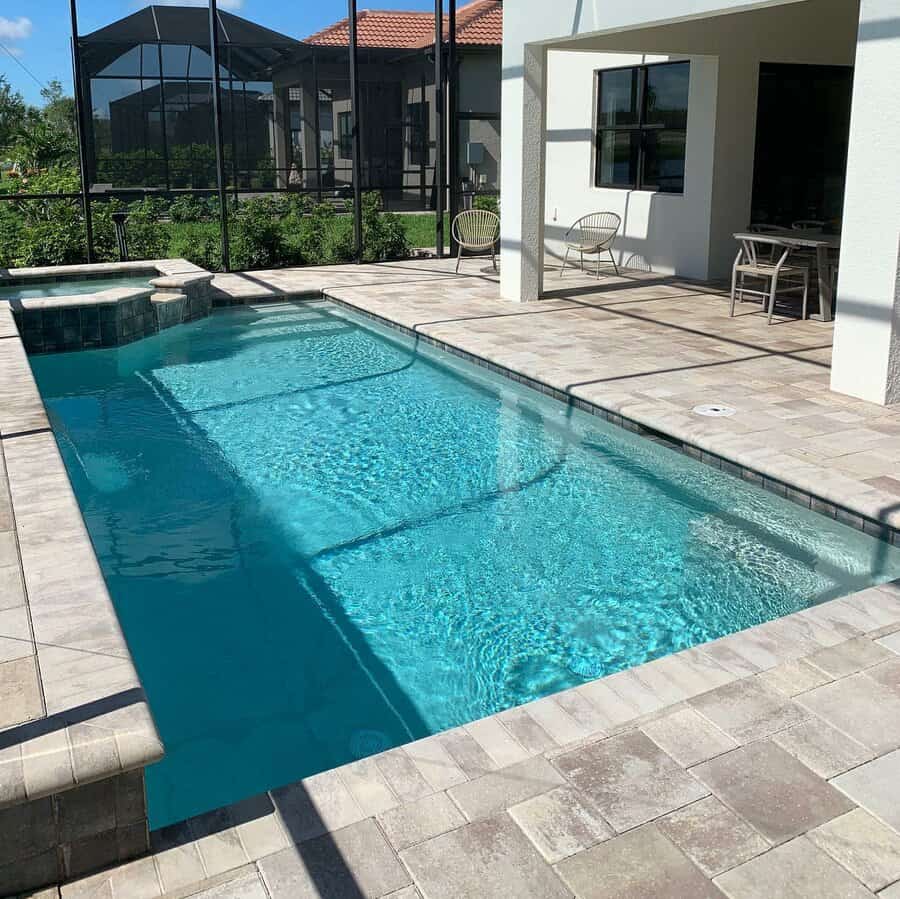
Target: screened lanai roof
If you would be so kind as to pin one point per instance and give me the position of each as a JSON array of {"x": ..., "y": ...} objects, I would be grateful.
[
  {"x": 185, "y": 25},
  {"x": 254, "y": 50}
]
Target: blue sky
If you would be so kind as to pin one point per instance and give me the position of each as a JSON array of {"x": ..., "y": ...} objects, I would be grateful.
[{"x": 37, "y": 31}]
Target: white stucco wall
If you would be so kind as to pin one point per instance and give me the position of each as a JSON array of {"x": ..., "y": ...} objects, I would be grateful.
[
  {"x": 665, "y": 233},
  {"x": 724, "y": 47},
  {"x": 691, "y": 234}
]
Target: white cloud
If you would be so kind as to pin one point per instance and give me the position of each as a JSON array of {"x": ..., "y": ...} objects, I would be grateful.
[
  {"x": 16, "y": 52},
  {"x": 14, "y": 29},
  {"x": 222, "y": 4}
]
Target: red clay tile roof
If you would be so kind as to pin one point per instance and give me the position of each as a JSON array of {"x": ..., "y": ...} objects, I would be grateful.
[{"x": 477, "y": 23}]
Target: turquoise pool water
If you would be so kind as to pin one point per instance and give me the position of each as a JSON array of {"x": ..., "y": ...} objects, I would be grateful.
[
  {"x": 321, "y": 542},
  {"x": 37, "y": 289}
]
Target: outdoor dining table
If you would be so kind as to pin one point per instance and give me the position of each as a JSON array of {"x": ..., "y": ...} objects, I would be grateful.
[{"x": 821, "y": 243}]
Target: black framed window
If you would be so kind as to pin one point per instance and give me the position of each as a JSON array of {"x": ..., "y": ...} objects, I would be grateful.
[
  {"x": 345, "y": 136},
  {"x": 418, "y": 118},
  {"x": 642, "y": 127}
]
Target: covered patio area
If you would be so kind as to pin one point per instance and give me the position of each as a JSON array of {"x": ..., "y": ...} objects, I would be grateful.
[{"x": 696, "y": 121}]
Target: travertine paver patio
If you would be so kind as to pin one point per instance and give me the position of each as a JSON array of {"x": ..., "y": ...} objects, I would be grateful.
[{"x": 762, "y": 764}]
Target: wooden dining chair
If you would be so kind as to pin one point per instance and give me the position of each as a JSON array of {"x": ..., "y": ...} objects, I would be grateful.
[{"x": 765, "y": 258}]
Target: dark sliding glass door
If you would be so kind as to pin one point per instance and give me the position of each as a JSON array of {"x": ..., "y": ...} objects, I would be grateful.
[{"x": 802, "y": 127}]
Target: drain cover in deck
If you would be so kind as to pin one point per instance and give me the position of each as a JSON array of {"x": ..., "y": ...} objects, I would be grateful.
[{"x": 714, "y": 410}]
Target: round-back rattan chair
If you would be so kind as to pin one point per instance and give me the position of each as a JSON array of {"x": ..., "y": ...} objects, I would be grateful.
[
  {"x": 593, "y": 233},
  {"x": 476, "y": 230}
]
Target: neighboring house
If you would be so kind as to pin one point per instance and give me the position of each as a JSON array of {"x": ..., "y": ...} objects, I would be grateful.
[
  {"x": 396, "y": 58},
  {"x": 286, "y": 103},
  {"x": 695, "y": 118}
]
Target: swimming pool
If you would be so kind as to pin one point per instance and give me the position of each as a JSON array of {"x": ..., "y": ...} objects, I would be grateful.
[
  {"x": 38, "y": 289},
  {"x": 322, "y": 541}
]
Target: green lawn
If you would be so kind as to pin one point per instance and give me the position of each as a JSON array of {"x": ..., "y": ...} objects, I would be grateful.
[{"x": 420, "y": 229}]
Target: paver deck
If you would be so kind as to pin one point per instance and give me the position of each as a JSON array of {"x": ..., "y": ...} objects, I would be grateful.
[
  {"x": 765, "y": 763},
  {"x": 752, "y": 783}
]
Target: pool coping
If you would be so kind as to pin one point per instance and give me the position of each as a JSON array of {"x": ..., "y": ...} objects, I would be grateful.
[
  {"x": 93, "y": 720},
  {"x": 436, "y": 785}
]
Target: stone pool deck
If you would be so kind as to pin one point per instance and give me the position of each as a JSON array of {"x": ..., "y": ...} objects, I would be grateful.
[{"x": 765, "y": 763}]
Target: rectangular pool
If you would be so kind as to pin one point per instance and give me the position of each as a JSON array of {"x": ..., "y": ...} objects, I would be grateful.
[{"x": 323, "y": 542}]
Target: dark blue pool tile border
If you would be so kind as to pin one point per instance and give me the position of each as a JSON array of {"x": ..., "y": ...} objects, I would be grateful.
[
  {"x": 780, "y": 488},
  {"x": 24, "y": 281}
]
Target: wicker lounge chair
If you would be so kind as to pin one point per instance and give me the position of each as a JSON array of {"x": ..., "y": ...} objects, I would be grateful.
[
  {"x": 592, "y": 233},
  {"x": 476, "y": 230}
]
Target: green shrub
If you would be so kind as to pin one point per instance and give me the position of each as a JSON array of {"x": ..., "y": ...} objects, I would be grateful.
[
  {"x": 311, "y": 233},
  {"x": 148, "y": 236},
  {"x": 105, "y": 247},
  {"x": 51, "y": 232},
  {"x": 188, "y": 208},
  {"x": 54, "y": 237},
  {"x": 265, "y": 232},
  {"x": 488, "y": 202},
  {"x": 256, "y": 239},
  {"x": 11, "y": 227},
  {"x": 383, "y": 234},
  {"x": 199, "y": 243},
  {"x": 338, "y": 245}
]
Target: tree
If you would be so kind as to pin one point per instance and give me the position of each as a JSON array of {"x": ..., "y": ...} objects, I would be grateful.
[
  {"x": 13, "y": 112},
  {"x": 59, "y": 110},
  {"x": 41, "y": 145}
]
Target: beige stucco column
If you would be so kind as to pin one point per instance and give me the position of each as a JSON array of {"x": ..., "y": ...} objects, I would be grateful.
[
  {"x": 522, "y": 166},
  {"x": 866, "y": 358}
]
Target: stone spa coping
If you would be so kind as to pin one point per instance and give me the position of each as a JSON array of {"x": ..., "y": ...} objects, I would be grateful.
[
  {"x": 112, "y": 296},
  {"x": 163, "y": 267},
  {"x": 113, "y": 316}
]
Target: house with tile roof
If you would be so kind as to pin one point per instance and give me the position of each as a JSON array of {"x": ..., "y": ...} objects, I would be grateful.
[
  {"x": 147, "y": 79},
  {"x": 396, "y": 56}
]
